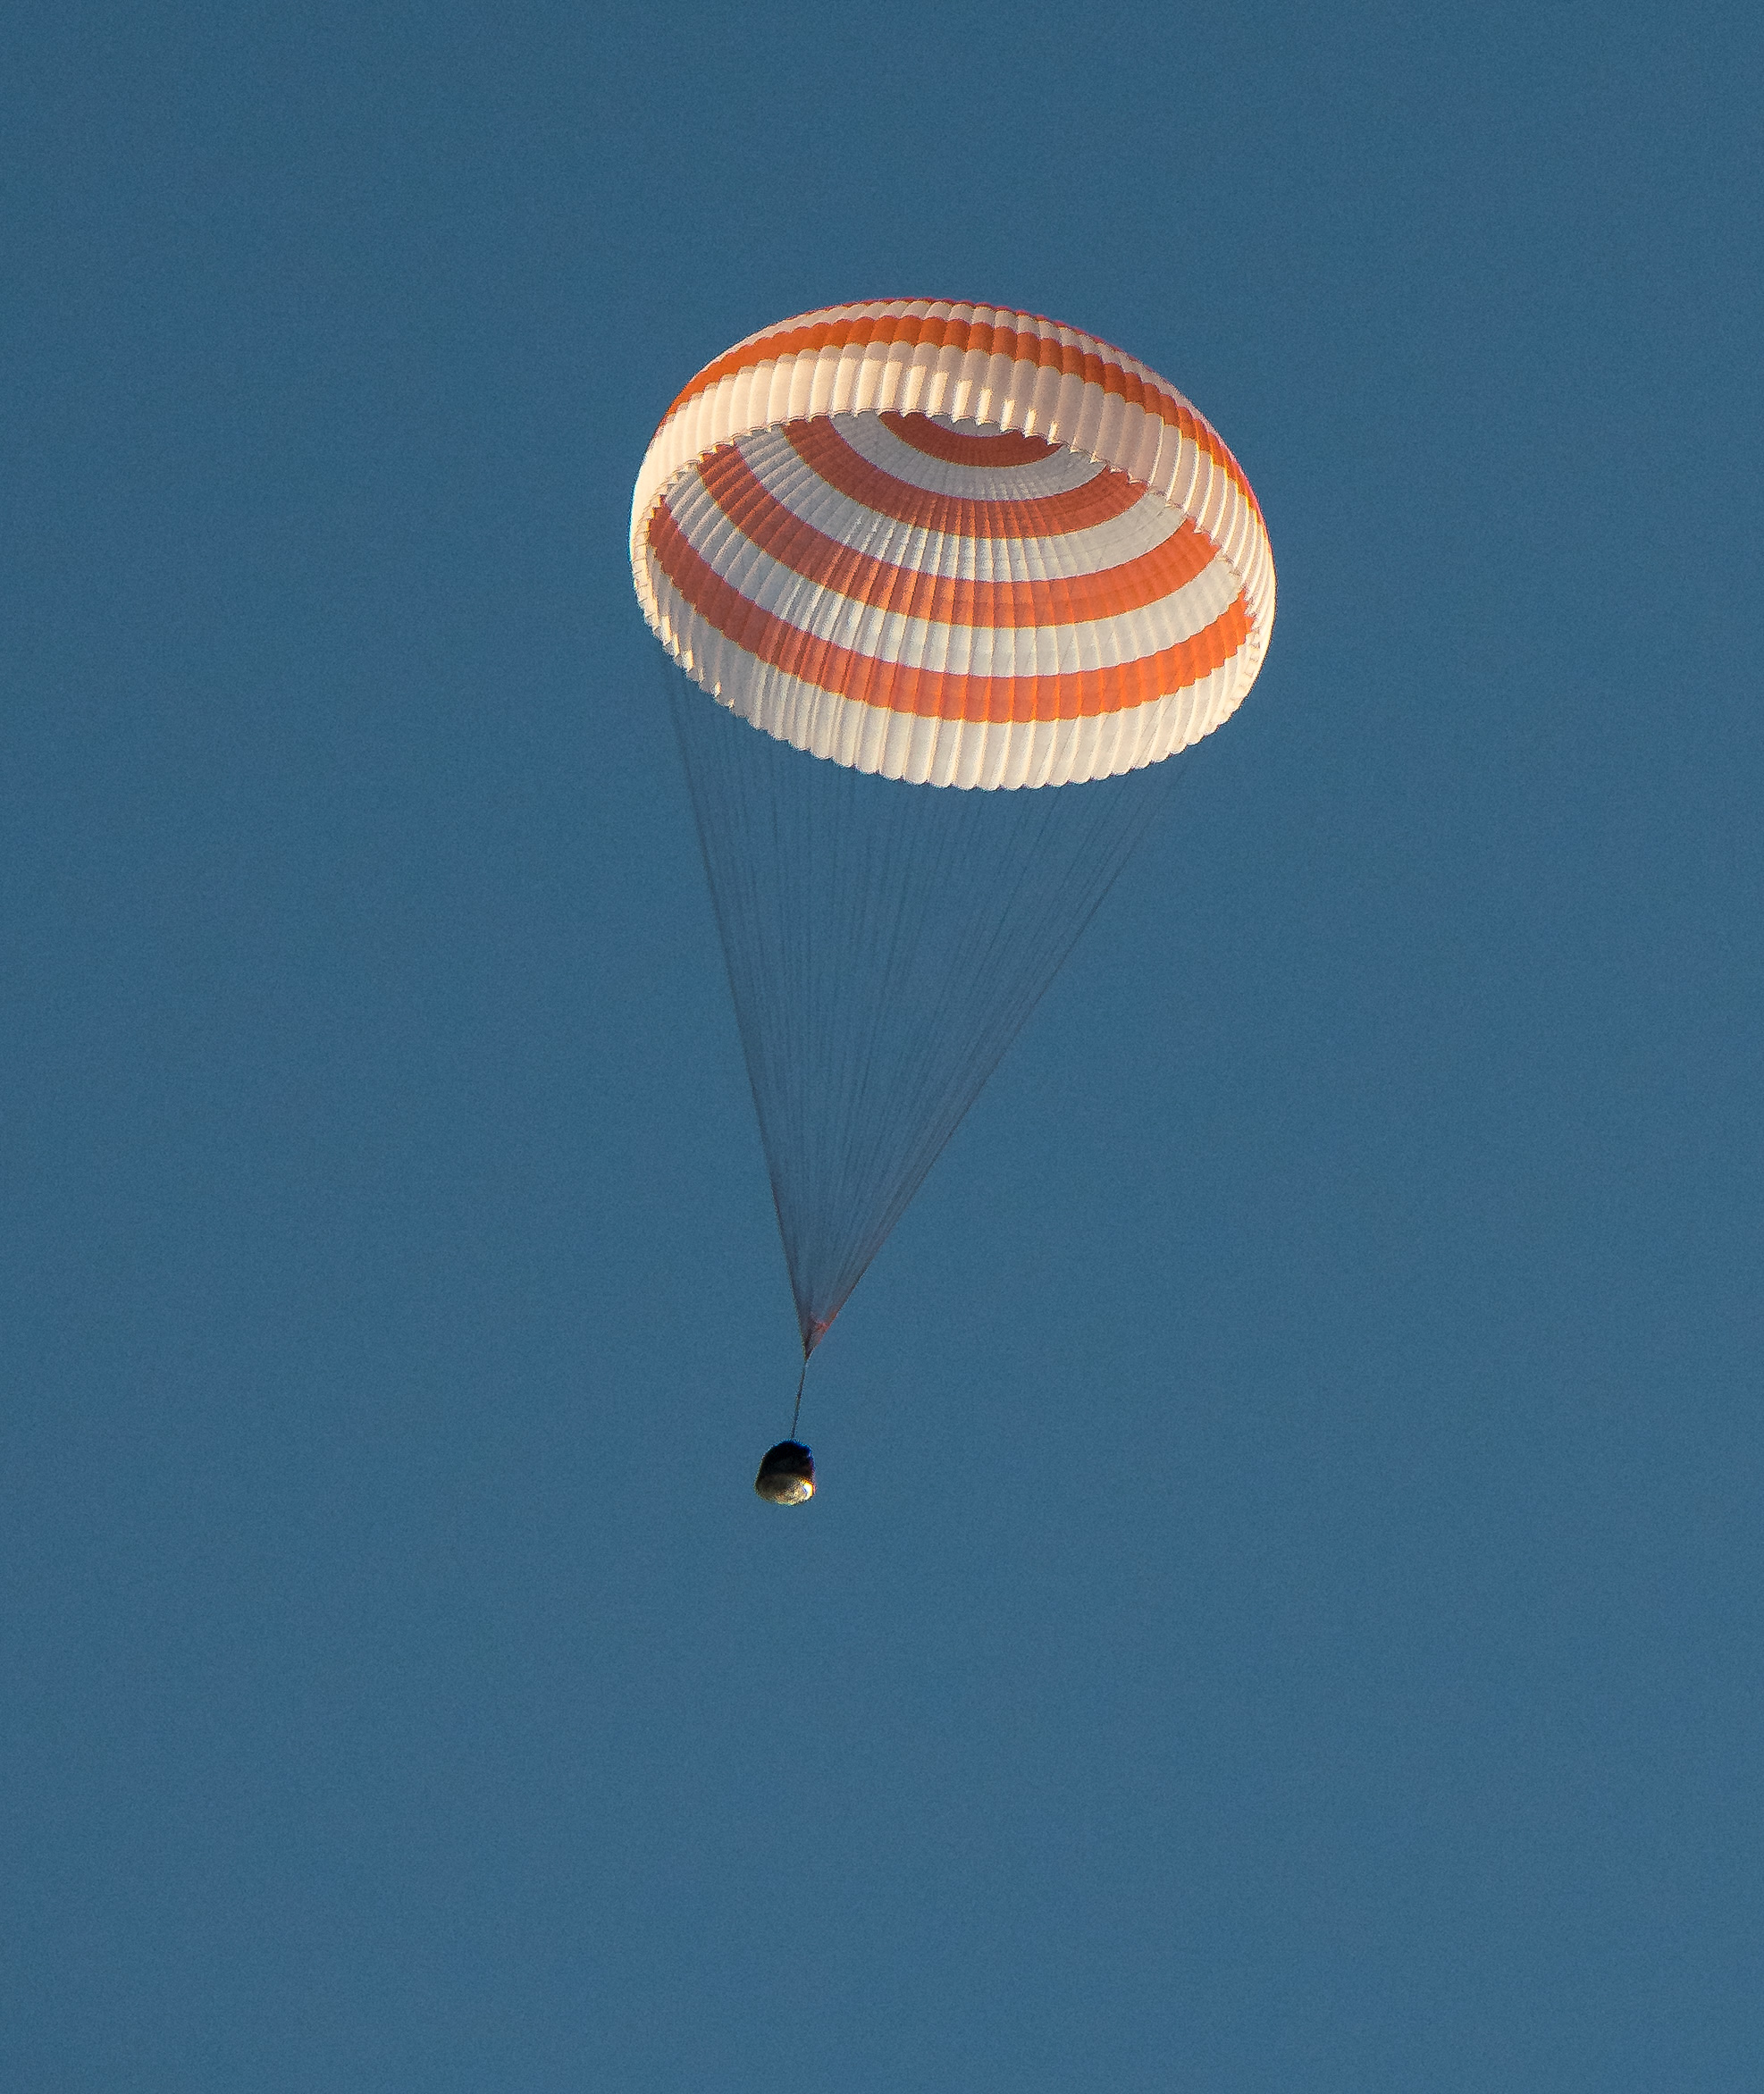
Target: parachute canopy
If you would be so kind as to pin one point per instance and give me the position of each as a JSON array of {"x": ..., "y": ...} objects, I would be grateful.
[
  {"x": 953, "y": 544},
  {"x": 924, "y": 545}
]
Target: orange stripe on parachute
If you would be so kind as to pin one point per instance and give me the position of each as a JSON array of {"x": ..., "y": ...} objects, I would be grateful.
[
  {"x": 1058, "y": 599},
  {"x": 956, "y": 446},
  {"x": 912, "y": 330},
  {"x": 1099, "y": 500},
  {"x": 938, "y": 693}
]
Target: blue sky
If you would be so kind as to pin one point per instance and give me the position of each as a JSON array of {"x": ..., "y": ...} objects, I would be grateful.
[{"x": 1283, "y": 1611}]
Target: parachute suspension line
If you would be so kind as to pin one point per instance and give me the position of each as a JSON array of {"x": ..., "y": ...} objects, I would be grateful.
[
  {"x": 797, "y": 1413},
  {"x": 885, "y": 943}
]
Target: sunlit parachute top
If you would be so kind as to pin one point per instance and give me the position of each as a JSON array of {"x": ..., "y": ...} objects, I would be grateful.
[{"x": 953, "y": 544}]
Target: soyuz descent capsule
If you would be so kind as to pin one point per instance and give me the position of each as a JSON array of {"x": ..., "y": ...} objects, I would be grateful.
[{"x": 787, "y": 1475}]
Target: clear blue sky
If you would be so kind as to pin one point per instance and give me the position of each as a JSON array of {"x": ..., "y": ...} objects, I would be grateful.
[{"x": 1333, "y": 1661}]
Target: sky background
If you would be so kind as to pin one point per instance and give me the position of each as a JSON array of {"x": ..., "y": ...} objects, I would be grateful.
[{"x": 1283, "y": 1608}]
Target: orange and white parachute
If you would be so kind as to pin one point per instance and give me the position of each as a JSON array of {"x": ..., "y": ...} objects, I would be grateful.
[
  {"x": 954, "y": 545},
  {"x": 923, "y": 544}
]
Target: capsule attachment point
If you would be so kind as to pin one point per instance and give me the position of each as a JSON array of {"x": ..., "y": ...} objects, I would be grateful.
[{"x": 787, "y": 1475}]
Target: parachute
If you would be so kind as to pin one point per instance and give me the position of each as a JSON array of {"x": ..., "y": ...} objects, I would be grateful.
[{"x": 942, "y": 588}]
